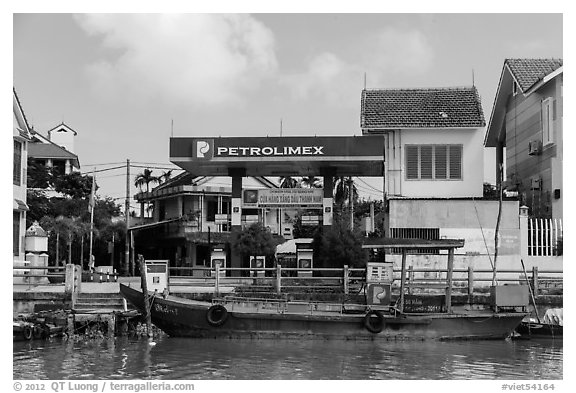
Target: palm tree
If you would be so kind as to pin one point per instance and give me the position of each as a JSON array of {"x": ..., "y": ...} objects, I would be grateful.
[
  {"x": 288, "y": 182},
  {"x": 311, "y": 181},
  {"x": 165, "y": 176},
  {"x": 342, "y": 190},
  {"x": 145, "y": 178}
]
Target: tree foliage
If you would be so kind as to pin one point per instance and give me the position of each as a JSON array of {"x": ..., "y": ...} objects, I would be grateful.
[
  {"x": 339, "y": 246},
  {"x": 254, "y": 240}
]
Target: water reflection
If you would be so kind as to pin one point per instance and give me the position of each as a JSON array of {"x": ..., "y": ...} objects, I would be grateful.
[{"x": 173, "y": 358}]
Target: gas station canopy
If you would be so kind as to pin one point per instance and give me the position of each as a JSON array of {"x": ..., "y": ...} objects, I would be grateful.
[{"x": 279, "y": 156}]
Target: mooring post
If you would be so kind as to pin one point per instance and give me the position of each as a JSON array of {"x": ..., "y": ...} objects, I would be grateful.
[
  {"x": 402, "y": 280},
  {"x": 217, "y": 279},
  {"x": 346, "y": 274},
  {"x": 470, "y": 283},
  {"x": 535, "y": 280},
  {"x": 142, "y": 267},
  {"x": 278, "y": 279}
]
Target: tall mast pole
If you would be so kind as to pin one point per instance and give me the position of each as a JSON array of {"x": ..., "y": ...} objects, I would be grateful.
[{"x": 127, "y": 217}]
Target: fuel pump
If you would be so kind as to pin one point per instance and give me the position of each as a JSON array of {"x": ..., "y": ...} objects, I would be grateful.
[
  {"x": 218, "y": 255},
  {"x": 379, "y": 277}
]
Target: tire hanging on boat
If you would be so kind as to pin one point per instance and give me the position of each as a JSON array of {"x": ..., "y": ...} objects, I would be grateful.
[
  {"x": 27, "y": 332},
  {"x": 374, "y": 325},
  {"x": 217, "y": 315}
]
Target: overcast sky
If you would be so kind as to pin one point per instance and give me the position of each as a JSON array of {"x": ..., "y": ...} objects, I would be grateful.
[{"x": 120, "y": 80}]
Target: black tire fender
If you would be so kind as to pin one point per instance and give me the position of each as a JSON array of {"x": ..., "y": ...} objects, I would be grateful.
[
  {"x": 27, "y": 332},
  {"x": 374, "y": 325},
  {"x": 217, "y": 315}
]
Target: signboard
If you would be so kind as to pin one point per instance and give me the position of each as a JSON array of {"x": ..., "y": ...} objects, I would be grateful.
[
  {"x": 306, "y": 155},
  {"x": 424, "y": 304},
  {"x": 286, "y": 148},
  {"x": 283, "y": 197},
  {"x": 310, "y": 220},
  {"x": 379, "y": 272},
  {"x": 222, "y": 218}
]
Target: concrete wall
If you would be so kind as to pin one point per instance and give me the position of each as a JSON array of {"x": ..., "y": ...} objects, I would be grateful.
[{"x": 471, "y": 220}]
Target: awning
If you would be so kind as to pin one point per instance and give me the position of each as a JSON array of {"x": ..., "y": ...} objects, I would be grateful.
[
  {"x": 152, "y": 225},
  {"x": 19, "y": 205}
]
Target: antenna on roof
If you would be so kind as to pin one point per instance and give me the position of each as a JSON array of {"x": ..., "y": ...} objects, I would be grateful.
[
  {"x": 364, "y": 80},
  {"x": 280, "y": 126},
  {"x": 172, "y": 128},
  {"x": 473, "y": 77}
]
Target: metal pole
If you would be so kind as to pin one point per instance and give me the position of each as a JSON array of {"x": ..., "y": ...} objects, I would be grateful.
[
  {"x": 402, "y": 280},
  {"x": 127, "y": 217},
  {"x": 351, "y": 202}
]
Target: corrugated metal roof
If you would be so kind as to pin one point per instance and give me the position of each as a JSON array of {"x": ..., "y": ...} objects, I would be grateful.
[{"x": 421, "y": 108}]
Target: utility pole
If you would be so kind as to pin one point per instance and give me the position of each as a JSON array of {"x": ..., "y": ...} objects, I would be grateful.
[{"x": 127, "y": 217}]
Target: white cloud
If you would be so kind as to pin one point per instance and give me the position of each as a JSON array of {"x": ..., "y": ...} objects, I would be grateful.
[
  {"x": 389, "y": 53},
  {"x": 393, "y": 51},
  {"x": 199, "y": 59},
  {"x": 327, "y": 77}
]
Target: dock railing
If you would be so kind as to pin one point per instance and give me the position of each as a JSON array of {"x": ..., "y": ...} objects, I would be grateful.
[{"x": 349, "y": 280}]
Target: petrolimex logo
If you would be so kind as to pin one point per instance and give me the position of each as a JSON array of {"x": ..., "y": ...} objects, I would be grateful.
[
  {"x": 203, "y": 149},
  {"x": 268, "y": 151}
]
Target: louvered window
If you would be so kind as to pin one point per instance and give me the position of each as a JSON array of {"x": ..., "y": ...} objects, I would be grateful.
[
  {"x": 547, "y": 122},
  {"x": 433, "y": 162},
  {"x": 455, "y": 161},
  {"x": 440, "y": 162},
  {"x": 412, "y": 162},
  {"x": 17, "y": 173}
]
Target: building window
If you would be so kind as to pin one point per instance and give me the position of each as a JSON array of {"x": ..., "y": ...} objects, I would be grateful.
[
  {"x": 547, "y": 122},
  {"x": 415, "y": 233},
  {"x": 434, "y": 162},
  {"x": 16, "y": 233},
  {"x": 514, "y": 88},
  {"x": 17, "y": 176}
]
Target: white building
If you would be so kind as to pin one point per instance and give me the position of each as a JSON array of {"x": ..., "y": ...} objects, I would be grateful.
[
  {"x": 21, "y": 136},
  {"x": 433, "y": 140}
]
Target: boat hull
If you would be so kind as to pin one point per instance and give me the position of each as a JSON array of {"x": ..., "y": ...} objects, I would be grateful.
[
  {"x": 539, "y": 330},
  {"x": 186, "y": 318}
]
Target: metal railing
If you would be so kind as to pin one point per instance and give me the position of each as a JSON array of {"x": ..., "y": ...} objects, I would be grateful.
[
  {"x": 348, "y": 280},
  {"x": 545, "y": 237}
]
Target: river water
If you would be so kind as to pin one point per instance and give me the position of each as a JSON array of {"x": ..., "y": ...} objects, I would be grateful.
[{"x": 194, "y": 359}]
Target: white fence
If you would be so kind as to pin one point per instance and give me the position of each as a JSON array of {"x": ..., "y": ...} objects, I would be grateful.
[{"x": 545, "y": 237}]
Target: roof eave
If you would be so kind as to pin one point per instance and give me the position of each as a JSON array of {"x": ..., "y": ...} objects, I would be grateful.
[{"x": 544, "y": 80}]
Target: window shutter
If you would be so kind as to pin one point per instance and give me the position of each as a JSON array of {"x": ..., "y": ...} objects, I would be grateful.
[
  {"x": 547, "y": 121},
  {"x": 426, "y": 162},
  {"x": 411, "y": 161},
  {"x": 440, "y": 161},
  {"x": 17, "y": 173},
  {"x": 455, "y": 156}
]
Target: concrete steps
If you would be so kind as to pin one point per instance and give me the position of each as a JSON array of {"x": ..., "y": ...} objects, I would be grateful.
[{"x": 99, "y": 302}]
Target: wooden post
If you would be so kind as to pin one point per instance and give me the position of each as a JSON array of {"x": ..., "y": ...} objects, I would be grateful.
[
  {"x": 410, "y": 278},
  {"x": 278, "y": 279},
  {"x": 449, "y": 279},
  {"x": 217, "y": 279},
  {"x": 346, "y": 273},
  {"x": 535, "y": 280},
  {"x": 402, "y": 279},
  {"x": 470, "y": 283},
  {"x": 142, "y": 267}
]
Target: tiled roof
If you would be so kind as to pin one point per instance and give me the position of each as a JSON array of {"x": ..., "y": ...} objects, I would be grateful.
[
  {"x": 49, "y": 150},
  {"x": 528, "y": 72},
  {"x": 421, "y": 108}
]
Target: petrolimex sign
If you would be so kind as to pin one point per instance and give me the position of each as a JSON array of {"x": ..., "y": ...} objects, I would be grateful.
[{"x": 206, "y": 149}]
